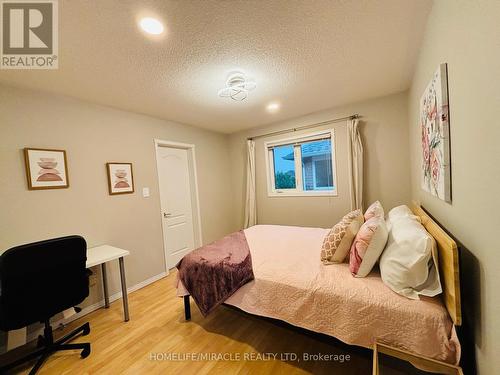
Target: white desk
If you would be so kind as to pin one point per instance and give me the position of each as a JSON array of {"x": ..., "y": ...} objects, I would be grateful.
[
  {"x": 98, "y": 255},
  {"x": 101, "y": 255}
]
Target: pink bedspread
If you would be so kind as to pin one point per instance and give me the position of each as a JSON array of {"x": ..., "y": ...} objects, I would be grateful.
[{"x": 291, "y": 284}]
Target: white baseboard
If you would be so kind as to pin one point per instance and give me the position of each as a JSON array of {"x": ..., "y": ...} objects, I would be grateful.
[{"x": 87, "y": 310}]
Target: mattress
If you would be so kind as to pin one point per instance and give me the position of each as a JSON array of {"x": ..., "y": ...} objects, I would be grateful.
[{"x": 291, "y": 284}]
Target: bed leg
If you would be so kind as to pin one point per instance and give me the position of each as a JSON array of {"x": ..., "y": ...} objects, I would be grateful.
[{"x": 187, "y": 308}]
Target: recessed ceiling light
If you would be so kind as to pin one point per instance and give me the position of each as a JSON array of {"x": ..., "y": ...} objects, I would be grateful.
[
  {"x": 151, "y": 25},
  {"x": 273, "y": 107}
]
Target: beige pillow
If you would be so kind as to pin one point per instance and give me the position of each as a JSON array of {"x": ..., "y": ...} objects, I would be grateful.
[{"x": 338, "y": 241}]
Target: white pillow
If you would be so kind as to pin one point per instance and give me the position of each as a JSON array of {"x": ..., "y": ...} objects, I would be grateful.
[
  {"x": 401, "y": 211},
  {"x": 408, "y": 264}
]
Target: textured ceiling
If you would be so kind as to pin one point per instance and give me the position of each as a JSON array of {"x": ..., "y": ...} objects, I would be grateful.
[{"x": 308, "y": 55}]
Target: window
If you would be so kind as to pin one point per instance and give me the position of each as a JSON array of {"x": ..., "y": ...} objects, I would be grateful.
[
  {"x": 303, "y": 166},
  {"x": 284, "y": 167}
]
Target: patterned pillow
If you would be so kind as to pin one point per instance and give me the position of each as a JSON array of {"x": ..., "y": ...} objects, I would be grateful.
[
  {"x": 375, "y": 210},
  {"x": 367, "y": 246},
  {"x": 338, "y": 241}
]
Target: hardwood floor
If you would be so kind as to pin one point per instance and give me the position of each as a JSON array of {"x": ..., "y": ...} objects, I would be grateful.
[{"x": 157, "y": 328}]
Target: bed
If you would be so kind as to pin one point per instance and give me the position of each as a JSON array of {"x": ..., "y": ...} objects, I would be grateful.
[{"x": 292, "y": 285}]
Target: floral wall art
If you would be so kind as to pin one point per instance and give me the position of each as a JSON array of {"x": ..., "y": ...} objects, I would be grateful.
[
  {"x": 46, "y": 169},
  {"x": 120, "y": 178},
  {"x": 435, "y": 130}
]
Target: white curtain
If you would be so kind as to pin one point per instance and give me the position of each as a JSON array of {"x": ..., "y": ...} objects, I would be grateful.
[
  {"x": 355, "y": 165},
  {"x": 250, "y": 202}
]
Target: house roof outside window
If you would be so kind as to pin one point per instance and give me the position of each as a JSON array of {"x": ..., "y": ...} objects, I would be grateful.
[{"x": 313, "y": 149}]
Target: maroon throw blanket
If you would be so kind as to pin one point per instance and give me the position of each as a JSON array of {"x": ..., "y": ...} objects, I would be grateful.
[{"x": 212, "y": 273}]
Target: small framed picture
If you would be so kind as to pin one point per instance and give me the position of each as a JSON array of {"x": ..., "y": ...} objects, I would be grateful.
[
  {"x": 46, "y": 169},
  {"x": 120, "y": 178}
]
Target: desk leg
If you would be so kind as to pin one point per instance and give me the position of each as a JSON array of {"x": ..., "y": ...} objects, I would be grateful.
[
  {"x": 105, "y": 285},
  {"x": 124, "y": 289}
]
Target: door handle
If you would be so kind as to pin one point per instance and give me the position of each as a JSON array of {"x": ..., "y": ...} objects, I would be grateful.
[{"x": 167, "y": 215}]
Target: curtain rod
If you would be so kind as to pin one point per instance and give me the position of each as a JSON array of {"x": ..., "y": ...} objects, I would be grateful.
[{"x": 352, "y": 117}]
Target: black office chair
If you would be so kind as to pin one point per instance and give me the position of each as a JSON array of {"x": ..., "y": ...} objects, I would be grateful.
[{"x": 38, "y": 281}]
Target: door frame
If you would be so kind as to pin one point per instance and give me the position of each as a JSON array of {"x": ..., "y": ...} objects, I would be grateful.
[{"x": 195, "y": 200}]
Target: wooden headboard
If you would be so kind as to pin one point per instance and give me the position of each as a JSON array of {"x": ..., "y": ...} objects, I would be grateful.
[{"x": 448, "y": 264}]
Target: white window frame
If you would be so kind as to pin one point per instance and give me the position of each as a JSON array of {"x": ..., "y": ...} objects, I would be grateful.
[{"x": 299, "y": 186}]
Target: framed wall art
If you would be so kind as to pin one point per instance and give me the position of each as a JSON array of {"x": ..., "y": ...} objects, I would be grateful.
[
  {"x": 435, "y": 131},
  {"x": 46, "y": 168},
  {"x": 120, "y": 178}
]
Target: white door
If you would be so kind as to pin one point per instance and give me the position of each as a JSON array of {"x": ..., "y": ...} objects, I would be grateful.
[{"x": 176, "y": 203}]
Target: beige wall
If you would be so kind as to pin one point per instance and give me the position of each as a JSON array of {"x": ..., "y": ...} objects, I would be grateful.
[
  {"x": 93, "y": 135},
  {"x": 385, "y": 135},
  {"x": 466, "y": 35}
]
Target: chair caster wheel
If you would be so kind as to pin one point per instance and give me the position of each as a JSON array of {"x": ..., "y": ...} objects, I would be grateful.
[
  {"x": 85, "y": 352},
  {"x": 86, "y": 329}
]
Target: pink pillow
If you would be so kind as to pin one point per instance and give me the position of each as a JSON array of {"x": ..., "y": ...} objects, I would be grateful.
[
  {"x": 375, "y": 210},
  {"x": 368, "y": 246}
]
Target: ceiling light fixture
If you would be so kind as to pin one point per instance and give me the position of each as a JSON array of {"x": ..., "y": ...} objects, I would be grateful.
[
  {"x": 237, "y": 87},
  {"x": 151, "y": 25},
  {"x": 273, "y": 107}
]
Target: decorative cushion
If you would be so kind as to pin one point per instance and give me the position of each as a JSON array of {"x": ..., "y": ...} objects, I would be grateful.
[
  {"x": 409, "y": 263},
  {"x": 338, "y": 241},
  {"x": 375, "y": 210},
  {"x": 367, "y": 246}
]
